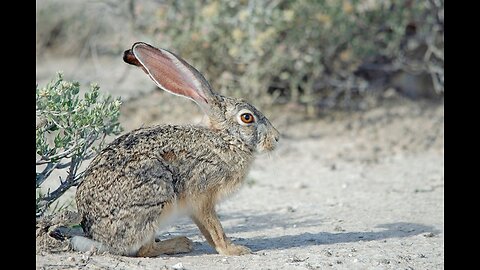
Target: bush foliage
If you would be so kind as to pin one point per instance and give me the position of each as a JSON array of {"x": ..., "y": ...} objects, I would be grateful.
[
  {"x": 305, "y": 51},
  {"x": 325, "y": 53},
  {"x": 69, "y": 131}
]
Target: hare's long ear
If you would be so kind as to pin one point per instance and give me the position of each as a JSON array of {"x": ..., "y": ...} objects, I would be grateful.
[{"x": 170, "y": 72}]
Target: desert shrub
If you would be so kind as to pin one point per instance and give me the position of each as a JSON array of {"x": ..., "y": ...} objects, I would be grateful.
[
  {"x": 69, "y": 130},
  {"x": 319, "y": 53},
  {"x": 325, "y": 53}
]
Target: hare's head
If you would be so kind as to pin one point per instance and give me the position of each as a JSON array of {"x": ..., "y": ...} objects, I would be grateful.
[{"x": 234, "y": 116}]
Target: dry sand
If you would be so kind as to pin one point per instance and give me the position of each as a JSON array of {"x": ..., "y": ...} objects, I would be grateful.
[{"x": 346, "y": 191}]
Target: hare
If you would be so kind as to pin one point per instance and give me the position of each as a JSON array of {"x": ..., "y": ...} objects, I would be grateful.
[{"x": 146, "y": 177}]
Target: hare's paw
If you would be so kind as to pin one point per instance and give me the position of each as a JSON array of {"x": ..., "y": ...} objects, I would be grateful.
[
  {"x": 235, "y": 250},
  {"x": 170, "y": 246},
  {"x": 183, "y": 244},
  {"x": 176, "y": 245}
]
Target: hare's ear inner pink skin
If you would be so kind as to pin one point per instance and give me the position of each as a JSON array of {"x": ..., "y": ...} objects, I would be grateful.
[{"x": 170, "y": 72}]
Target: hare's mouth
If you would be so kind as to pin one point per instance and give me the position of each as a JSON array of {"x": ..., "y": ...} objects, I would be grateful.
[{"x": 267, "y": 145}]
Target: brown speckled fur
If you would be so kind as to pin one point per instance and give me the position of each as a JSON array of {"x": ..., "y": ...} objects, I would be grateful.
[{"x": 136, "y": 183}]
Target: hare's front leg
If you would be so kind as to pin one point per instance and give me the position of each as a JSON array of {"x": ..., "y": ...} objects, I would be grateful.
[{"x": 207, "y": 221}]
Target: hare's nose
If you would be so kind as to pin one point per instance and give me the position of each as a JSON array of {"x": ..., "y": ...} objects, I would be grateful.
[{"x": 276, "y": 134}]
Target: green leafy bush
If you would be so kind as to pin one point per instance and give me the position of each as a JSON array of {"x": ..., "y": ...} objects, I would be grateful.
[{"x": 70, "y": 130}]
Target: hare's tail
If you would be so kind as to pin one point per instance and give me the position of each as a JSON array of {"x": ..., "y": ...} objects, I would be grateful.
[{"x": 84, "y": 244}]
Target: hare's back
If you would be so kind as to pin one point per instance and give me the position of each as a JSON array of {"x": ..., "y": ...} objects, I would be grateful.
[{"x": 145, "y": 165}]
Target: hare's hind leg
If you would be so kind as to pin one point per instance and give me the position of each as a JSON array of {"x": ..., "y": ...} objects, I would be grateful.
[{"x": 175, "y": 245}]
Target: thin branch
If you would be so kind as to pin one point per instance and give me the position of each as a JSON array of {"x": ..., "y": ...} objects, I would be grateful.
[
  {"x": 63, "y": 165},
  {"x": 64, "y": 154},
  {"x": 71, "y": 180},
  {"x": 41, "y": 177},
  {"x": 82, "y": 143}
]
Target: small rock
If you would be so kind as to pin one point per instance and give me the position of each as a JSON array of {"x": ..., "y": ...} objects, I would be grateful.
[
  {"x": 291, "y": 209},
  {"x": 71, "y": 259},
  {"x": 178, "y": 266},
  {"x": 300, "y": 185},
  {"x": 296, "y": 259},
  {"x": 385, "y": 261},
  {"x": 389, "y": 93},
  {"x": 311, "y": 267},
  {"x": 430, "y": 234}
]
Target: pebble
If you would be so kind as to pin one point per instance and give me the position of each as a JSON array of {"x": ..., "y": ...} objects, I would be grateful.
[
  {"x": 291, "y": 209},
  {"x": 178, "y": 266},
  {"x": 300, "y": 185},
  {"x": 429, "y": 234}
]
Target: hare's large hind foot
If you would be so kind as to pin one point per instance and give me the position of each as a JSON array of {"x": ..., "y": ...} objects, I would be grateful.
[{"x": 171, "y": 246}]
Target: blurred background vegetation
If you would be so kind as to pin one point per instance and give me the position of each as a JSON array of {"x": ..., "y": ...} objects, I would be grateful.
[{"x": 324, "y": 54}]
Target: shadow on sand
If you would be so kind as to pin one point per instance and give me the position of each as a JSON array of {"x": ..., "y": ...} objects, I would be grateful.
[
  {"x": 260, "y": 222},
  {"x": 391, "y": 230}
]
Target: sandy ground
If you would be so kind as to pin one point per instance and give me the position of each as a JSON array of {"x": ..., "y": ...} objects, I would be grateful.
[{"x": 345, "y": 191}]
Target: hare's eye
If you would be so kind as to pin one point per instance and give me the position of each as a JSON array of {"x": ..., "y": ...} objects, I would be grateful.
[{"x": 247, "y": 118}]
